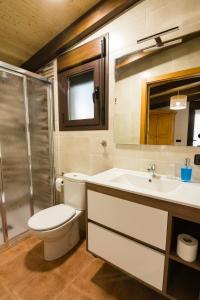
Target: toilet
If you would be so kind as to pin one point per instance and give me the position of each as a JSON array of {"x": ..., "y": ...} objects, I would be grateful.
[{"x": 58, "y": 226}]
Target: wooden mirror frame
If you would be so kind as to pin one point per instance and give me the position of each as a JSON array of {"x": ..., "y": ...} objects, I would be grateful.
[{"x": 145, "y": 95}]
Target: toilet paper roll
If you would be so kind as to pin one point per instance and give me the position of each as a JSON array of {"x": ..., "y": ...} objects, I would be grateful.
[
  {"x": 187, "y": 247},
  {"x": 59, "y": 184}
]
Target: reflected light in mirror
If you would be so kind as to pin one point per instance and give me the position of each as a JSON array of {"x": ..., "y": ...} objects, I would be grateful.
[{"x": 178, "y": 102}]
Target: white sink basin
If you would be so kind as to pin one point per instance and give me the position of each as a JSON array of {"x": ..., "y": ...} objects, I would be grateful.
[
  {"x": 158, "y": 183},
  {"x": 161, "y": 187}
]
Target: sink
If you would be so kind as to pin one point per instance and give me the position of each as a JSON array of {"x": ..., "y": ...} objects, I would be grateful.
[
  {"x": 142, "y": 183},
  {"x": 158, "y": 183}
]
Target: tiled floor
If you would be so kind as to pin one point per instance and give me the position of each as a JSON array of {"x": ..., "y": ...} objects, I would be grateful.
[{"x": 24, "y": 275}]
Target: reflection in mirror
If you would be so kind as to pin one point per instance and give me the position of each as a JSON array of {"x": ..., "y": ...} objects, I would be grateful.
[
  {"x": 144, "y": 87},
  {"x": 174, "y": 112}
]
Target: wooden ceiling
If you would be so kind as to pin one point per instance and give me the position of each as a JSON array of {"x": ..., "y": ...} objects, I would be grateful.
[
  {"x": 161, "y": 93},
  {"x": 27, "y": 25}
]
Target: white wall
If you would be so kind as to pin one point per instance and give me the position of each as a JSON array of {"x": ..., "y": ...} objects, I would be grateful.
[
  {"x": 181, "y": 126},
  {"x": 82, "y": 151}
]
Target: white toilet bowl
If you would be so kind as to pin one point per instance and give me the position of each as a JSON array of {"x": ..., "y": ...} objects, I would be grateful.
[{"x": 58, "y": 227}]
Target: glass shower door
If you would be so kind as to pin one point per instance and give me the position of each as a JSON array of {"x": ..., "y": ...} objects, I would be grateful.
[
  {"x": 15, "y": 164},
  {"x": 3, "y": 227},
  {"x": 40, "y": 125}
]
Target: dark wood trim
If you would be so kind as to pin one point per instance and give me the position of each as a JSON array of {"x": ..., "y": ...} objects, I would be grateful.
[
  {"x": 190, "y": 127},
  {"x": 106, "y": 83},
  {"x": 194, "y": 265},
  {"x": 128, "y": 236},
  {"x": 82, "y": 54},
  {"x": 193, "y": 106},
  {"x": 168, "y": 248},
  {"x": 86, "y": 207},
  {"x": 177, "y": 210},
  {"x": 98, "y": 16}
]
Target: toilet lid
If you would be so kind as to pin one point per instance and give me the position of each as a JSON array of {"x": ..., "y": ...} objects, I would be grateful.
[
  {"x": 77, "y": 177},
  {"x": 51, "y": 217}
]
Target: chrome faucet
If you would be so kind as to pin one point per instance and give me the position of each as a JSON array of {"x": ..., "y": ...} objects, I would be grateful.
[{"x": 152, "y": 169}]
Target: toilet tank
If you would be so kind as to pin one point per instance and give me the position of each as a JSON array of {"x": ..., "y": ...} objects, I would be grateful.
[{"x": 74, "y": 190}]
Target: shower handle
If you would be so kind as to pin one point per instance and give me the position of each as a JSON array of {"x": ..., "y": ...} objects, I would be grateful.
[{"x": 2, "y": 200}]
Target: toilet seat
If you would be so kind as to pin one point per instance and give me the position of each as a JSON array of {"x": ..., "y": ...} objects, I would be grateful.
[{"x": 51, "y": 217}]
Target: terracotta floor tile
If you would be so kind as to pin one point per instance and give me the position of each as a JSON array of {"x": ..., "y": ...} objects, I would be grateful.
[
  {"x": 8, "y": 297},
  {"x": 8, "y": 255},
  {"x": 12, "y": 251},
  {"x": 30, "y": 242},
  {"x": 103, "y": 282},
  {"x": 84, "y": 282},
  {"x": 14, "y": 272},
  {"x": 24, "y": 267},
  {"x": 72, "y": 293},
  {"x": 5, "y": 294},
  {"x": 41, "y": 287},
  {"x": 73, "y": 265},
  {"x": 25, "y": 275}
]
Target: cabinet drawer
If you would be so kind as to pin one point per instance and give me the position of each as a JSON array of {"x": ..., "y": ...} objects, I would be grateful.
[
  {"x": 136, "y": 220},
  {"x": 136, "y": 259}
]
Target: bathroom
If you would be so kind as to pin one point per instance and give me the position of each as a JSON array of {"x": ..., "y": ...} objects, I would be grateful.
[{"x": 97, "y": 172}]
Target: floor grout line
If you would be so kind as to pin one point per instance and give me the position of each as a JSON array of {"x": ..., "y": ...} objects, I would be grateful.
[
  {"x": 69, "y": 278},
  {"x": 71, "y": 282},
  {"x": 82, "y": 291},
  {"x": 12, "y": 293}
]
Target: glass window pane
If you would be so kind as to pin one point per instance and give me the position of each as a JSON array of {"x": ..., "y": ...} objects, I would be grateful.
[{"x": 81, "y": 105}]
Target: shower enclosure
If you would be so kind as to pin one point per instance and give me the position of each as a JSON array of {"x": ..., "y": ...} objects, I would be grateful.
[{"x": 26, "y": 148}]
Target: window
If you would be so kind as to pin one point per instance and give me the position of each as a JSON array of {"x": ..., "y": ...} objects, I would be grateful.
[
  {"x": 80, "y": 102},
  {"x": 83, "y": 89}
]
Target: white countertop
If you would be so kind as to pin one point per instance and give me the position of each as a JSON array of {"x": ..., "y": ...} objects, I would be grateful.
[{"x": 184, "y": 193}]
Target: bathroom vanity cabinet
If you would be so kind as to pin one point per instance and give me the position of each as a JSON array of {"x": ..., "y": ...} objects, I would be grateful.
[{"x": 138, "y": 235}]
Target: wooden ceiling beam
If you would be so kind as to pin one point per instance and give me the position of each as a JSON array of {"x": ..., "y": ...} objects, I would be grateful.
[
  {"x": 164, "y": 100},
  {"x": 186, "y": 89},
  {"x": 102, "y": 13},
  {"x": 169, "y": 84}
]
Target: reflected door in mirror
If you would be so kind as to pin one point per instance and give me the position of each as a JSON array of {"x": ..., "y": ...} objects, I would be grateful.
[{"x": 161, "y": 127}]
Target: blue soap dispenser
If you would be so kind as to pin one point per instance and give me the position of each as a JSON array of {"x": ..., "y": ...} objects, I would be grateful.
[{"x": 186, "y": 171}]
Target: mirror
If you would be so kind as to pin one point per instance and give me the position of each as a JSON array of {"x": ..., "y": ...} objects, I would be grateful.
[
  {"x": 156, "y": 107},
  {"x": 173, "y": 113}
]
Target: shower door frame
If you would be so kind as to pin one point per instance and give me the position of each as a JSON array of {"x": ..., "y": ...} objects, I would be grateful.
[{"x": 24, "y": 74}]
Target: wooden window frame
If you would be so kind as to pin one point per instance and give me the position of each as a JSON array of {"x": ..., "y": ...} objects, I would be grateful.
[
  {"x": 193, "y": 107},
  {"x": 70, "y": 65}
]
